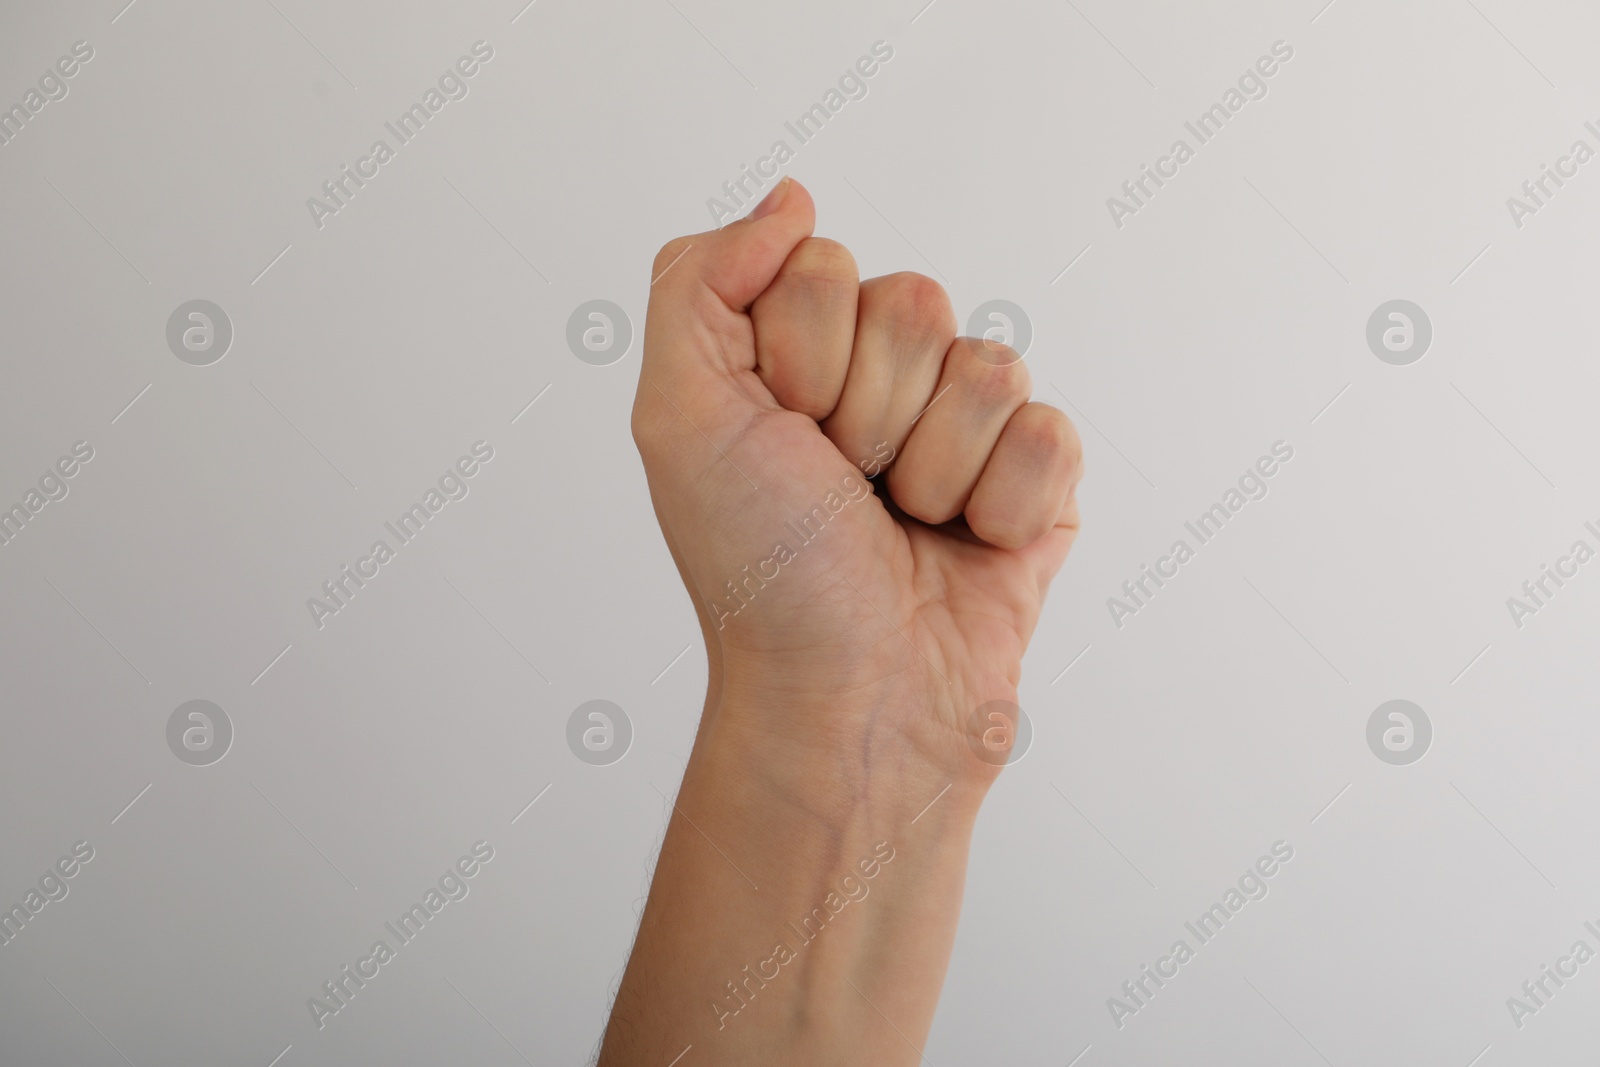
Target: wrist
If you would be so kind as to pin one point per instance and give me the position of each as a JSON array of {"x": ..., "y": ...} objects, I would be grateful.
[
  {"x": 801, "y": 815},
  {"x": 846, "y": 762}
]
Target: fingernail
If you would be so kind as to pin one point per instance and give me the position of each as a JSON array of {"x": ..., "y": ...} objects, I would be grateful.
[{"x": 772, "y": 201}]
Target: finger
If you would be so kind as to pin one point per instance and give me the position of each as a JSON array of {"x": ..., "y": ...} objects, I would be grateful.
[
  {"x": 740, "y": 260},
  {"x": 979, "y": 390},
  {"x": 1047, "y": 554},
  {"x": 904, "y": 326},
  {"x": 1025, "y": 486},
  {"x": 805, "y": 324}
]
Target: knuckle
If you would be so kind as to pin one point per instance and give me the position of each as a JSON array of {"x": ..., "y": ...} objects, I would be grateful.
[
  {"x": 818, "y": 278},
  {"x": 824, "y": 258},
  {"x": 993, "y": 373},
  {"x": 1071, "y": 445},
  {"x": 916, "y": 300},
  {"x": 918, "y": 292},
  {"x": 1044, "y": 430},
  {"x": 819, "y": 292}
]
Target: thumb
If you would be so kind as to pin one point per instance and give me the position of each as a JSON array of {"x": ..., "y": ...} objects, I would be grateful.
[
  {"x": 741, "y": 259},
  {"x": 701, "y": 286}
]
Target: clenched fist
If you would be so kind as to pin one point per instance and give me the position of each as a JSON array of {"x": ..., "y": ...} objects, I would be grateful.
[
  {"x": 866, "y": 511},
  {"x": 775, "y": 383}
]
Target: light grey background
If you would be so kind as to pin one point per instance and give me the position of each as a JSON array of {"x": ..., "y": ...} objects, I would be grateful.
[{"x": 370, "y": 354}]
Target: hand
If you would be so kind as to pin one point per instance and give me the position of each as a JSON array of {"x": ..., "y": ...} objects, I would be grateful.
[
  {"x": 852, "y": 633},
  {"x": 774, "y": 384}
]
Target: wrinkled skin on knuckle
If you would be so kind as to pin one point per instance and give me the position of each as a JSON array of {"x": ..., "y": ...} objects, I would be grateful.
[
  {"x": 991, "y": 372},
  {"x": 916, "y": 303},
  {"x": 825, "y": 259}
]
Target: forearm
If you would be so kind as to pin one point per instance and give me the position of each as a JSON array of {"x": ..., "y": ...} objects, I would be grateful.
[{"x": 806, "y": 895}]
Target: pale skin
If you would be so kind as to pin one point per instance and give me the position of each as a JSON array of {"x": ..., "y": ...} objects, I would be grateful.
[{"x": 839, "y": 724}]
